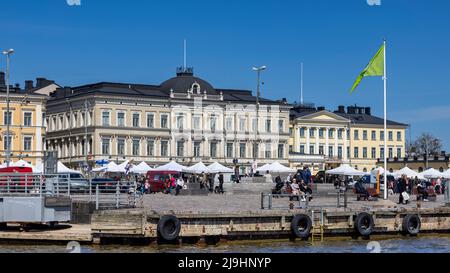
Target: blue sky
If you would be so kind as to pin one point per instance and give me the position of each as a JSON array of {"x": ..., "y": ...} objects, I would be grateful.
[{"x": 141, "y": 42}]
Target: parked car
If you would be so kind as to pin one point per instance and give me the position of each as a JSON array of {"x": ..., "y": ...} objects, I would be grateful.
[
  {"x": 157, "y": 179},
  {"x": 103, "y": 183},
  {"x": 78, "y": 183}
]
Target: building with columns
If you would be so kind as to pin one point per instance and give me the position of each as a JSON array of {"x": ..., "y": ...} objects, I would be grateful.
[
  {"x": 323, "y": 139},
  {"x": 184, "y": 119}
]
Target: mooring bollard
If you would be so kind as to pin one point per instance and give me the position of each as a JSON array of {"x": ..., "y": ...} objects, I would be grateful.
[
  {"x": 262, "y": 200},
  {"x": 96, "y": 197}
]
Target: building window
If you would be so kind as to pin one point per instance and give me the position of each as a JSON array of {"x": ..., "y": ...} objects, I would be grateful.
[
  {"x": 302, "y": 132},
  {"x": 213, "y": 123},
  {"x": 311, "y": 132},
  {"x": 242, "y": 150},
  {"x": 290, "y": 132},
  {"x": 196, "y": 123},
  {"x": 281, "y": 126},
  {"x": 61, "y": 121},
  {"x": 381, "y": 152},
  {"x": 391, "y": 153},
  {"x": 302, "y": 149},
  {"x": 150, "y": 148},
  {"x": 280, "y": 151},
  {"x": 330, "y": 151},
  {"x": 382, "y": 135},
  {"x": 374, "y": 153},
  {"x": 180, "y": 122},
  {"x": 374, "y": 135},
  {"x": 136, "y": 147},
  {"x": 164, "y": 148},
  {"x": 7, "y": 118},
  {"x": 230, "y": 150},
  {"x": 27, "y": 119},
  {"x": 321, "y": 133},
  {"x": 311, "y": 150},
  {"x": 291, "y": 148},
  {"x": 330, "y": 133},
  {"x": 364, "y": 152},
  {"x": 105, "y": 146},
  {"x": 229, "y": 124},
  {"x": 340, "y": 134},
  {"x": 121, "y": 147},
  {"x": 365, "y": 135},
  {"x": 151, "y": 121},
  {"x": 27, "y": 144},
  {"x": 164, "y": 123},
  {"x": 268, "y": 151},
  {"x": 348, "y": 152},
  {"x": 399, "y": 152},
  {"x": 356, "y": 135},
  {"x": 197, "y": 149},
  {"x": 136, "y": 122},
  {"x": 105, "y": 118},
  {"x": 391, "y": 136},
  {"x": 255, "y": 150},
  {"x": 242, "y": 125},
  {"x": 254, "y": 125},
  {"x": 348, "y": 133},
  {"x": 213, "y": 150},
  {"x": 356, "y": 152},
  {"x": 399, "y": 136},
  {"x": 321, "y": 150},
  {"x": 180, "y": 148},
  {"x": 340, "y": 152},
  {"x": 268, "y": 126},
  {"x": 121, "y": 119}
]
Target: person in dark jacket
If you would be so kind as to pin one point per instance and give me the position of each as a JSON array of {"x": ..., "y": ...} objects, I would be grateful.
[
  {"x": 402, "y": 187},
  {"x": 360, "y": 189},
  {"x": 221, "y": 183},
  {"x": 307, "y": 175}
]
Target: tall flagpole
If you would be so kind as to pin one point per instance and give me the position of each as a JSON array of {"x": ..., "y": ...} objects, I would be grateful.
[
  {"x": 385, "y": 125},
  {"x": 301, "y": 84}
]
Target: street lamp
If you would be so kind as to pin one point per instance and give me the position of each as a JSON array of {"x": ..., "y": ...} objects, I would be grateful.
[
  {"x": 258, "y": 94},
  {"x": 8, "y": 54}
]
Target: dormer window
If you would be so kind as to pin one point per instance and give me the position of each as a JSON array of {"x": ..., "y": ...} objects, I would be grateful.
[{"x": 196, "y": 88}]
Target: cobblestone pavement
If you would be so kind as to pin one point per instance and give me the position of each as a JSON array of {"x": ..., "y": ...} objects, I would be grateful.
[{"x": 215, "y": 203}]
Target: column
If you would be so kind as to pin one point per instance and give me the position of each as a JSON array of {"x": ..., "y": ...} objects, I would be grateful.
[
  {"x": 317, "y": 140},
  {"x": 327, "y": 141},
  {"x": 308, "y": 140},
  {"x": 344, "y": 152},
  {"x": 336, "y": 142}
]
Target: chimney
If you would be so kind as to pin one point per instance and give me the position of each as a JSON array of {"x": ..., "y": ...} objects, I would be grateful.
[
  {"x": 341, "y": 109},
  {"x": 2, "y": 79},
  {"x": 43, "y": 82},
  {"x": 368, "y": 111},
  {"x": 29, "y": 85},
  {"x": 321, "y": 108},
  {"x": 351, "y": 110}
]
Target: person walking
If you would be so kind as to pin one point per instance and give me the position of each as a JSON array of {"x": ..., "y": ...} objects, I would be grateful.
[
  {"x": 211, "y": 183},
  {"x": 180, "y": 185},
  {"x": 402, "y": 187},
  {"x": 221, "y": 183}
]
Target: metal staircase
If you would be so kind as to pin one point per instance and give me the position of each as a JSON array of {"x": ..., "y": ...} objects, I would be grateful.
[{"x": 317, "y": 228}]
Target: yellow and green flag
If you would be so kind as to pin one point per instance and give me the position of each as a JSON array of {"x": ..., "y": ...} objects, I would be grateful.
[{"x": 374, "y": 68}]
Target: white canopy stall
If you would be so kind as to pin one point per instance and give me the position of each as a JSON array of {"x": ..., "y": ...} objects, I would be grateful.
[
  {"x": 172, "y": 167},
  {"x": 61, "y": 168},
  {"x": 198, "y": 169},
  {"x": 110, "y": 168},
  {"x": 219, "y": 168},
  {"x": 409, "y": 173},
  {"x": 142, "y": 168},
  {"x": 345, "y": 169},
  {"x": 432, "y": 173}
]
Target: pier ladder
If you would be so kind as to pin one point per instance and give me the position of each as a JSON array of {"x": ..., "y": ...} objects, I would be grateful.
[{"x": 317, "y": 228}]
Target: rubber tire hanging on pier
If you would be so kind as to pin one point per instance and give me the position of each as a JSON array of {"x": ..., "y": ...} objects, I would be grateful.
[
  {"x": 411, "y": 224},
  {"x": 169, "y": 227},
  {"x": 364, "y": 224},
  {"x": 301, "y": 226}
]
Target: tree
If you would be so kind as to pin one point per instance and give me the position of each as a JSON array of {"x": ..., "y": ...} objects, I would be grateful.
[{"x": 426, "y": 144}]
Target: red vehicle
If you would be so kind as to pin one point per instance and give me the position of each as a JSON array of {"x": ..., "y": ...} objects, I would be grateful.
[
  {"x": 16, "y": 181},
  {"x": 157, "y": 179}
]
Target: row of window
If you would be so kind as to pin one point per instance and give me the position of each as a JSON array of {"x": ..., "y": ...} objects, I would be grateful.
[
  {"x": 356, "y": 151},
  {"x": 27, "y": 120},
  {"x": 180, "y": 122},
  {"x": 26, "y": 143},
  {"x": 312, "y": 133},
  {"x": 180, "y": 149},
  {"x": 69, "y": 121}
]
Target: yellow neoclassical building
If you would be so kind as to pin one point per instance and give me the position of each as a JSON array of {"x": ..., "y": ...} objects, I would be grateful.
[
  {"x": 26, "y": 119},
  {"x": 323, "y": 139}
]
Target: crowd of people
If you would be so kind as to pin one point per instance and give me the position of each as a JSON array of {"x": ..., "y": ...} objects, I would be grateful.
[
  {"x": 298, "y": 184},
  {"x": 405, "y": 186}
]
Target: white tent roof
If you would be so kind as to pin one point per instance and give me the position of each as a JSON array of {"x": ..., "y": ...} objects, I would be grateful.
[
  {"x": 21, "y": 163},
  {"x": 408, "y": 172},
  {"x": 198, "y": 168},
  {"x": 345, "y": 169},
  {"x": 61, "y": 168},
  {"x": 432, "y": 173},
  {"x": 110, "y": 168},
  {"x": 264, "y": 168},
  {"x": 381, "y": 170},
  {"x": 446, "y": 174},
  {"x": 142, "y": 168},
  {"x": 219, "y": 168},
  {"x": 171, "y": 166},
  {"x": 276, "y": 167}
]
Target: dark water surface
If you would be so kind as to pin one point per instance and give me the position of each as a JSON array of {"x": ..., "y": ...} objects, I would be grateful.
[{"x": 423, "y": 244}]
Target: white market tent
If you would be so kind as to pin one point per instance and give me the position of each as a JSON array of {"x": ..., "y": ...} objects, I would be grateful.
[
  {"x": 110, "y": 168},
  {"x": 219, "y": 168},
  {"x": 432, "y": 173},
  {"x": 198, "y": 168},
  {"x": 21, "y": 163},
  {"x": 264, "y": 168},
  {"x": 171, "y": 166},
  {"x": 446, "y": 174},
  {"x": 345, "y": 169},
  {"x": 409, "y": 173},
  {"x": 142, "y": 168},
  {"x": 276, "y": 167},
  {"x": 381, "y": 171},
  {"x": 61, "y": 168}
]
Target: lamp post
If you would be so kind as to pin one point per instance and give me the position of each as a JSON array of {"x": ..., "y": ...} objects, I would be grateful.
[
  {"x": 8, "y": 54},
  {"x": 258, "y": 94}
]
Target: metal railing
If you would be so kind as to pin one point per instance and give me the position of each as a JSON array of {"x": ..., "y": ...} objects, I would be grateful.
[
  {"x": 105, "y": 194},
  {"x": 303, "y": 201}
]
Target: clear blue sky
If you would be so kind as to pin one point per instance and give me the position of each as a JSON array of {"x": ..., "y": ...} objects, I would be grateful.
[{"x": 141, "y": 42}]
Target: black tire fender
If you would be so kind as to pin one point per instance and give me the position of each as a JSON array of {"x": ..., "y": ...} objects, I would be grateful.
[
  {"x": 301, "y": 226},
  {"x": 411, "y": 224},
  {"x": 169, "y": 227},
  {"x": 364, "y": 224}
]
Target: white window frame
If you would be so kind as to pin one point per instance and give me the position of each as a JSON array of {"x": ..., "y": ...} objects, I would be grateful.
[{"x": 31, "y": 119}]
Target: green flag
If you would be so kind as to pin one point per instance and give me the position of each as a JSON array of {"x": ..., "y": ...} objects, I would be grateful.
[{"x": 374, "y": 68}]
